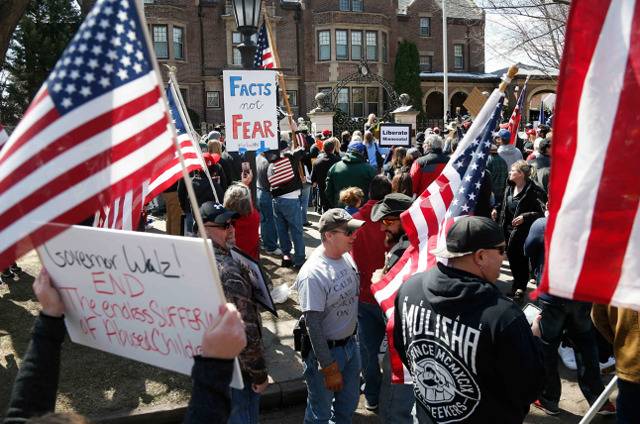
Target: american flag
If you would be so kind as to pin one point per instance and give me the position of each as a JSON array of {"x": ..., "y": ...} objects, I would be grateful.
[
  {"x": 264, "y": 58},
  {"x": 593, "y": 229},
  {"x": 124, "y": 213},
  {"x": 97, "y": 128},
  {"x": 453, "y": 194},
  {"x": 3, "y": 136},
  {"x": 516, "y": 116}
]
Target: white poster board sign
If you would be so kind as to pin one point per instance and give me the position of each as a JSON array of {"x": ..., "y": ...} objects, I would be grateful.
[
  {"x": 395, "y": 135},
  {"x": 146, "y": 297},
  {"x": 250, "y": 115}
]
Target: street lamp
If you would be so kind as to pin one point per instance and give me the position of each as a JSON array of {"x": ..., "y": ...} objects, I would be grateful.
[{"x": 247, "y": 17}]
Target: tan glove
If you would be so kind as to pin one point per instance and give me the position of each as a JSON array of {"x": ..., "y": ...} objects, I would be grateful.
[{"x": 332, "y": 377}]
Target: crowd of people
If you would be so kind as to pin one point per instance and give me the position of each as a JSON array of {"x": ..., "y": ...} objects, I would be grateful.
[{"x": 472, "y": 354}]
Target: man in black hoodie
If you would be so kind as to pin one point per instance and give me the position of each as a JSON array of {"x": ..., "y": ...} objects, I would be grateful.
[{"x": 470, "y": 350}]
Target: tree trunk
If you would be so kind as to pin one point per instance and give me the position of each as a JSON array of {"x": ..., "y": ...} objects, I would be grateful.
[{"x": 11, "y": 12}]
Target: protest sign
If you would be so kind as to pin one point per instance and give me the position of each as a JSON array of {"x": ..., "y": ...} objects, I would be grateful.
[
  {"x": 262, "y": 294},
  {"x": 147, "y": 297},
  {"x": 250, "y": 115},
  {"x": 395, "y": 135}
]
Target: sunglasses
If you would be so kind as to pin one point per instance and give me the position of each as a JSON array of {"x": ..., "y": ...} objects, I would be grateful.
[
  {"x": 500, "y": 249},
  {"x": 389, "y": 221},
  {"x": 347, "y": 233},
  {"x": 225, "y": 226}
]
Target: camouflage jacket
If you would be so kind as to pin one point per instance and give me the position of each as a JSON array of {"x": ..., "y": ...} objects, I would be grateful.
[{"x": 238, "y": 288}]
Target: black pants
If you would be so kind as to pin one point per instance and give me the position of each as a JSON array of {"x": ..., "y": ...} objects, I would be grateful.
[
  {"x": 627, "y": 402},
  {"x": 518, "y": 262},
  {"x": 574, "y": 317}
]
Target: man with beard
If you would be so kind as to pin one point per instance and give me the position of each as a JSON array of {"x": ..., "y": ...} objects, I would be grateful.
[{"x": 396, "y": 400}]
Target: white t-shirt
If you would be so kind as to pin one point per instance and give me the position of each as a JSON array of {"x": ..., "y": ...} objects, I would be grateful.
[{"x": 330, "y": 286}]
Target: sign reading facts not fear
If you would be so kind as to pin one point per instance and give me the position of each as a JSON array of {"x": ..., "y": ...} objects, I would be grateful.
[
  {"x": 250, "y": 115},
  {"x": 146, "y": 297}
]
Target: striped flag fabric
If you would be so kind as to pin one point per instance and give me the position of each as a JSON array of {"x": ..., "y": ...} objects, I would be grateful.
[
  {"x": 452, "y": 194},
  {"x": 124, "y": 213},
  {"x": 264, "y": 58},
  {"x": 97, "y": 128},
  {"x": 3, "y": 136},
  {"x": 516, "y": 116},
  {"x": 593, "y": 229}
]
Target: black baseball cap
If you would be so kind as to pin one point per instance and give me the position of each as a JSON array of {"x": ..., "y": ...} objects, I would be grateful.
[
  {"x": 216, "y": 213},
  {"x": 469, "y": 234},
  {"x": 392, "y": 204}
]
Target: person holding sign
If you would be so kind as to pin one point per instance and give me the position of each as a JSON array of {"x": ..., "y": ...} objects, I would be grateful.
[
  {"x": 36, "y": 385},
  {"x": 238, "y": 286}
]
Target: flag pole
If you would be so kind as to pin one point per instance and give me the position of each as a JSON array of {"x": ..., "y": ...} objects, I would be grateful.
[
  {"x": 181, "y": 110},
  {"x": 445, "y": 62},
  {"x": 185, "y": 175},
  {"x": 283, "y": 85}
]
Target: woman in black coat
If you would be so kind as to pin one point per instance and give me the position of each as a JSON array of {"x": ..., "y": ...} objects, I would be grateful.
[{"x": 523, "y": 203}]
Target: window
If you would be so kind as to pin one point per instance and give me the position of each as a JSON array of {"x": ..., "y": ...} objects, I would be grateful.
[
  {"x": 178, "y": 43},
  {"x": 357, "y": 94},
  {"x": 425, "y": 27},
  {"x": 356, "y": 45},
  {"x": 372, "y": 45},
  {"x": 385, "y": 54},
  {"x": 426, "y": 63},
  {"x": 342, "y": 47},
  {"x": 160, "y": 43},
  {"x": 343, "y": 100},
  {"x": 293, "y": 98},
  {"x": 213, "y": 99},
  {"x": 373, "y": 96},
  {"x": 324, "y": 45},
  {"x": 458, "y": 56},
  {"x": 236, "y": 39},
  {"x": 351, "y": 5}
]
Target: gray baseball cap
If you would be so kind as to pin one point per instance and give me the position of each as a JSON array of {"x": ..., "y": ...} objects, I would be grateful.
[{"x": 335, "y": 218}]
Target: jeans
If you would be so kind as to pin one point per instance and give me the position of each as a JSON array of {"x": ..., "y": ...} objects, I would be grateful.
[
  {"x": 245, "y": 405},
  {"x": 518, "y": 262},
  {"x": 188, "y": 225},
  {"x": 627, "y": 402},
  {"x": 574, "y": 317},
  {"x": 397, "y": 401},
  {"x": 325, "y": 406},
  {"x": 267, "y": 222},
  {"x": 371, "y": 329},
  {"x": 305, "y": 193},
  {"x": 288, "y": 221}
]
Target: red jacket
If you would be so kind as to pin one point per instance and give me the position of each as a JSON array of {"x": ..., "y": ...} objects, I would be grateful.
[
  {"x": 247, "y": 236},
  {"x": 426, "y": 169},
  {"x": 368, "y": 250}
]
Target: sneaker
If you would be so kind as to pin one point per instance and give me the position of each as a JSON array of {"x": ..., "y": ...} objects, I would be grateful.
[
  {"x": 16, "y": 269},
  {"x": 606, "y": 367},
  {"x": 8, "y": 275},
  {"x": 568, "y": 357},
  {"x": 370, "y": 406},
  {"x": 275, "y": 252},
  {"x": 308, "y": 224},
  {"x": 548, "y": 409},
  {"x": 517, "y": 295},
  {"x": 286, "y": 262},
  {"x": 607, "y": 409}
]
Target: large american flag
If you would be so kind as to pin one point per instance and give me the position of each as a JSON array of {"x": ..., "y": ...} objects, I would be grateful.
[
  {"x": 97, "y": 128},
  {"x": 264, "y": 58},
  {"x": 516, "y": 116},
  {"x": 453, "y": 194},
  {"x": 593, "y": 229}
]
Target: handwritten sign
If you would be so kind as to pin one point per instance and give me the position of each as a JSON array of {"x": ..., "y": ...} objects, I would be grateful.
[
  {"x": 395, "y": 135},
  {"x": 146, "y": 297},
  {"x": 250, "y": 113}
]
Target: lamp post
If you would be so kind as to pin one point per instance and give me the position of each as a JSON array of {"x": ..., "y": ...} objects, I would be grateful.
[{"x": 247, "y": 14}]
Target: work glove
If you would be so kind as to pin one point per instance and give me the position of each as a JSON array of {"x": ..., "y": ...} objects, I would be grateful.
[{"x": 332, "y": 377}]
